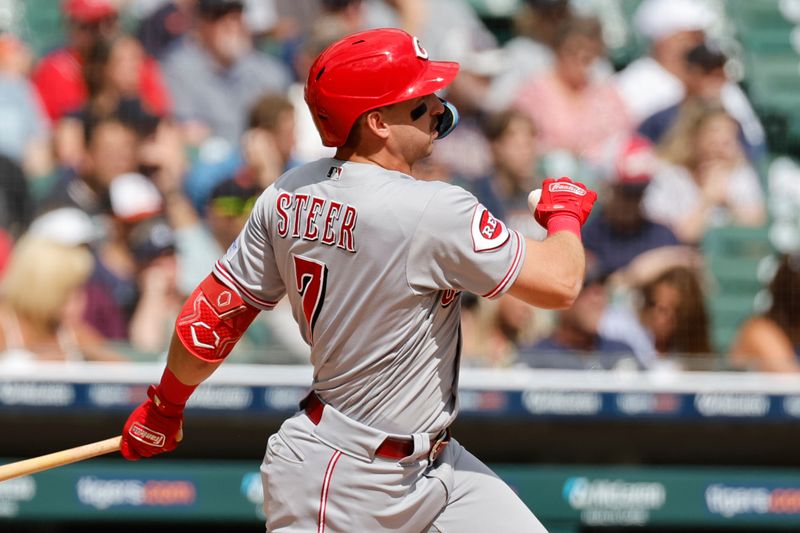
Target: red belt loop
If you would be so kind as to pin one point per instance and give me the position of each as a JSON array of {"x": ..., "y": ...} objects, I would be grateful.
[
  {"x": 313, "y": 407},
  {"x": 390, "y": 448}
]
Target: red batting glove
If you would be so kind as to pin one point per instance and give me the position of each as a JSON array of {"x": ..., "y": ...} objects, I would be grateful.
[
  {"x": 564, "y": 205},
  {"x": 156, "y": 426}
]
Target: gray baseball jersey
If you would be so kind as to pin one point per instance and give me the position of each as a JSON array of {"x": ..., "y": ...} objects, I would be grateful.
[{"x": 373, "y": 262}]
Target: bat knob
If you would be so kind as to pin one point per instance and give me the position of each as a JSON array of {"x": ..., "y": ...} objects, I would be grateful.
[{"x": 533, "y": 199}]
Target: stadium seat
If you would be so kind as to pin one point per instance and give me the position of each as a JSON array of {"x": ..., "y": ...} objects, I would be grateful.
[
  {"x": 727, "y": 312},
  {"x": 756, "y": 14},
  {"x": 773, "y": 81},
  {"x": 772, "y": 67},
  {"x": 495, "y": 8},
  {"x": 733, "y": 254},
  {"x": 43, "y": 28},
  {"x": 737, "y": 241},
  {"x": 758, "y": 41}
]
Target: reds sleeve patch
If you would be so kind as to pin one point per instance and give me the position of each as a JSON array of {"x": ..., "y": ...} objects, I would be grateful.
[{"x": 488, "y": 232}]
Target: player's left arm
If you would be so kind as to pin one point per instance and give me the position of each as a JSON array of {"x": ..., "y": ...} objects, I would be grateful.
[{"x": 211, "y": 322}]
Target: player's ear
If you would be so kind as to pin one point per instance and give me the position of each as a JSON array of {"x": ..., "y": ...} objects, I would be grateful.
[{"x": 376, "y": 123}]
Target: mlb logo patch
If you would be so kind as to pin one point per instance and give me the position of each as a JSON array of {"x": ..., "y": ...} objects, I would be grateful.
[
  {"x": 335, "y": 173},
  {"x": 232, "y": 249},
  {"x": 488, "y": 232}
]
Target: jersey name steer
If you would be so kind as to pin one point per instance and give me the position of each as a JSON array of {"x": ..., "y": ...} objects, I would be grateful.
[{"x": 313, "y": 218}]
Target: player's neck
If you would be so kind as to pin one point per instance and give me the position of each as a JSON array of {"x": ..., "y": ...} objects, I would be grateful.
[{"x": 383, "y": 159}]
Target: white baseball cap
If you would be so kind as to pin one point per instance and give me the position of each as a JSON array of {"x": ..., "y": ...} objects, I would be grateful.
[
  {"x": 134, "y": 197},
  {"x": 68, "y": 226},
  {"x": 657, "y": 19}
]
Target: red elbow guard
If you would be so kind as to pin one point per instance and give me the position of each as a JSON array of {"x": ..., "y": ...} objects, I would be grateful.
[{"x": 212, "y": 320}]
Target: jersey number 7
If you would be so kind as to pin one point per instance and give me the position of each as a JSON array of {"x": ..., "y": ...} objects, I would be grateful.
[{"x": 311, "y": 277}]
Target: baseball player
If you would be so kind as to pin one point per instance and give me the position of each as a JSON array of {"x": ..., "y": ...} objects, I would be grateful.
[{"x": 373, "y": 263}]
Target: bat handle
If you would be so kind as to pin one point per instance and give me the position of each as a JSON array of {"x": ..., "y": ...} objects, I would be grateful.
[{"x": 64, "y": 457}]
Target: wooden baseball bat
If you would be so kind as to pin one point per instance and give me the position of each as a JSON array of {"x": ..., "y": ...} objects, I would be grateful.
[{"x": 64, "y": 457}]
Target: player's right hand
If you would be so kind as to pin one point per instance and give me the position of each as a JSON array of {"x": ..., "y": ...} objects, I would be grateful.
[
  {"x": 154, "y": 427},
  {"x": 563, "y": 197}
]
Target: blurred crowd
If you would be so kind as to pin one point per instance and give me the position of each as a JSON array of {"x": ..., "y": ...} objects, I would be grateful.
[{"x": 132, "y": 153}]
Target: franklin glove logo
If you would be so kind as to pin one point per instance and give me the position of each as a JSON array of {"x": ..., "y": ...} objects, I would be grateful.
[
  {"x": 560, "y": 186},
  {"x": 146, "y": 435}
]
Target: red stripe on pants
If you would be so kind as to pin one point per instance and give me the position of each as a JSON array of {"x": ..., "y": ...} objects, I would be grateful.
[{"x": 323, "y": 497}]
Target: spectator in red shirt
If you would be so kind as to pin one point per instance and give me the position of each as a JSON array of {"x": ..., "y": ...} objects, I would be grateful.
[{"x": 59, "y": 78}]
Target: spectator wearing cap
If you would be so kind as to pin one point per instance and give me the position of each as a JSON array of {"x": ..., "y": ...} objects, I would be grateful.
[
  {"x": 59, "y": 75},
  {"x": 672, "y": 28},
  {"x": 202, "y": 238},
  {"x": 112, "y": 287},
  {"x": 72, "y": 227},
  {"x": 42, "y": 294},
  {"x": 218, "y": 74},
  {"x": 620, "y": 231},
  {"x": 706, "y": 80},
  {"x": 152, "y": 245},
  {"x": 199, "y": 241}
]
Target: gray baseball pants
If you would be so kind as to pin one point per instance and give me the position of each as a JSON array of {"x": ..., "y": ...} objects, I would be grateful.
[{"x": 325, "y": 478}]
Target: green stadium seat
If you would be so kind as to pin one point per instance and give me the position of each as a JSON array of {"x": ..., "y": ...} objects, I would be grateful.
[
  {"x": 43, "y": 28},
  {"x": 495, "y": 8},
  {"x": 737, "y": 241},
  {"x": 727, "y": 312},
  {"x": 733, "y": 254},
  {"x": 773, "y": 81},
  {"x": 635, "y": 45},
  {"x": 721, "y": 339},
  {"x": 758, "y": 41},
  {"x": 756, "y": 14},
  {"x": 735, "y": 275}
]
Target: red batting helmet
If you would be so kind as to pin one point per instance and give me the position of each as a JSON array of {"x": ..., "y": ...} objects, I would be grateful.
[{"x": 367, "y": 70}]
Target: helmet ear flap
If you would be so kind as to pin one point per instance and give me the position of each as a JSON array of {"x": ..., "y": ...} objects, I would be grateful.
[{"x": 448, "y": 120}]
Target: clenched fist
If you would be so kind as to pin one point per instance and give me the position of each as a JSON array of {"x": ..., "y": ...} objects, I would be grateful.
[
  {"x": 561, "y": 199},
  {"x": 152, "y": 428},
  {"x": 156, "y": 426}
]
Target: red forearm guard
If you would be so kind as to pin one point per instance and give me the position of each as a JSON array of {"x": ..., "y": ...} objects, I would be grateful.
[{"x": 212, "y": 320}]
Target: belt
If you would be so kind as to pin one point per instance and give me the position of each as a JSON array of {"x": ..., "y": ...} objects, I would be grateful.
[{"x": 391, "y": 447}]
